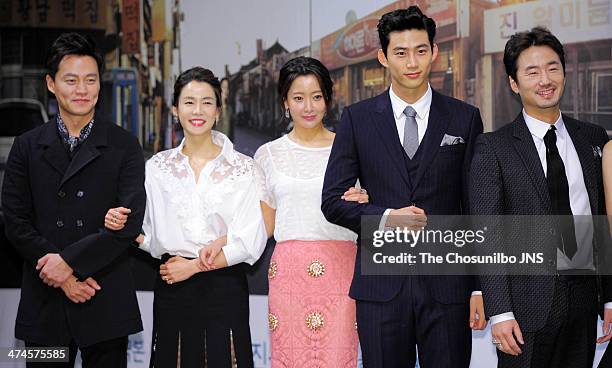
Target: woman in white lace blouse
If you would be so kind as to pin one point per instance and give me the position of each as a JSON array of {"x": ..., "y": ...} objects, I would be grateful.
[
  {"x": 311, "y": 317},
  {"x": 203, "y": 219}
]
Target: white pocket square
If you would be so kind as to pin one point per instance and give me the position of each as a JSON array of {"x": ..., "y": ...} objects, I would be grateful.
[{"x": 451, "y": 140}]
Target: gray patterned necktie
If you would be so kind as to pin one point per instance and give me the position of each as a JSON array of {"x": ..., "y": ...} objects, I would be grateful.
[{"x": 411, "y": 132}]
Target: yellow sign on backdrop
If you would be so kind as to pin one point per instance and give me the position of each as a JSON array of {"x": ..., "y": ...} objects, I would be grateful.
[{"x": 159, "y": 21}]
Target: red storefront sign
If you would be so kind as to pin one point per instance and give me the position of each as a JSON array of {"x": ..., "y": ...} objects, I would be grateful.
[{"x": 358, "y": 42}]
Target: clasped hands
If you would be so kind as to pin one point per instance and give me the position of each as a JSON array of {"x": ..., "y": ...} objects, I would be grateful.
[
  {"x": 55, "y": 272},
  {"x": 177, "y": 268},
  {"x": 411, "y": 218},
  {"x": 210, "y": 257}
]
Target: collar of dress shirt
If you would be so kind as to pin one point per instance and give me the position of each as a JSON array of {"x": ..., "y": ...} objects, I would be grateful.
[
  {"x": 539, "y": 128},
  {"x": 220, "y": 139},
  {"x": 421, "y": 106}
]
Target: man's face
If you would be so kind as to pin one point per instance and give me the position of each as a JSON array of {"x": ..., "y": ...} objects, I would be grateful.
[
  {"x": 409, "y": 58},
  {"x": 76, "y": 86},
  {"x": 539, "y": 79}
]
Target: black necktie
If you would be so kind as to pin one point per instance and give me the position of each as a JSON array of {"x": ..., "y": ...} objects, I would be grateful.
[{"x": 558, "y": 188}]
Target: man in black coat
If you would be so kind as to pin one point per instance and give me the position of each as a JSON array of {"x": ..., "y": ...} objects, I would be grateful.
[
  {"x": 547, "y": 165},
  {"x": 60, "y": 180}
]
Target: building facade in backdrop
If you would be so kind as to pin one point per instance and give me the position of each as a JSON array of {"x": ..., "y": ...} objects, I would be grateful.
[
  {"x": 139, "y": 44},
  {"x": 585, "y": 29},
  {"x": 470, "y": 37}
]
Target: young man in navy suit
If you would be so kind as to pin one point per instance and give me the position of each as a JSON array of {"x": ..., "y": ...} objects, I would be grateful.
[{"x": 411, "y": 147}]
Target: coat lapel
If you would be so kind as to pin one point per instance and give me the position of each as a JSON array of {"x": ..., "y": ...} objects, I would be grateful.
[
  {"x": 54, "y": 153},
  {"x": 385, "y": 124},
  {"x": 526, "y": 149},
  {"x": 88, "y": 150},
  {"x": 586, "y": 157},
  {"x": 439, "y": 119}
]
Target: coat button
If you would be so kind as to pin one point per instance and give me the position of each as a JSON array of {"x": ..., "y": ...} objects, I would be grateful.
[
  {"x": 80, "y": 194},
  {"x": 59, "y": 223},
  {"x": 552, "y": 231},
  {"x": 551, "y": 262},
  {"x": 79, "y": 223},
  {"x": 61, "y": 194}
]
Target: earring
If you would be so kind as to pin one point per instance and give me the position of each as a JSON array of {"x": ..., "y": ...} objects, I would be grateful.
[
  {"x": 287, "y": 114},
  {"x": 175, "y": 119}
]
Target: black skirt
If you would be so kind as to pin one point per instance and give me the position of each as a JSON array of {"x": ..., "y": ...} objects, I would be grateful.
[{"x": 203, "y": 321}]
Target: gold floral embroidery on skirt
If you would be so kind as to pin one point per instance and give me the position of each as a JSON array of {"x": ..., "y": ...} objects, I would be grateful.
[
  {"x": 315, "y": 321},
  {"x": 272, "y": 269},
  {"x": 272, "y": 321},
  {"x": 316, "y": 269}
]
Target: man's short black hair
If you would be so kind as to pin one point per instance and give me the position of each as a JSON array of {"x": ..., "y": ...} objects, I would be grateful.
[
  {"x": 72, "y": 44},
  {"x": 402, "y": 20},
  {"x": 519, "y": 42}
]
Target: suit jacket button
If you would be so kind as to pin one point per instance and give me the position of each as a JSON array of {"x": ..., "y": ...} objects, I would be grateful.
[
  {"x": 79, "y": 223},
  {"x": 61, "y": 194},
  {"x": 80, "y": 194},
  {"x": 552, "y": 231},
  {"x": 551, "y": 262},
  {"x": 59, "y": 223}
]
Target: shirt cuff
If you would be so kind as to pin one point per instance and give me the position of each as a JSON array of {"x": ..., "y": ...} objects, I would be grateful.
[
  {"x": 608, "y": 305},
  {"x": 383, "y": 220},
  {"x": 146, "y": 244},
  {"x": 501, "y": 318},
  {"x": 477, "y": 292},
  {"x": 234, "y": 254}
]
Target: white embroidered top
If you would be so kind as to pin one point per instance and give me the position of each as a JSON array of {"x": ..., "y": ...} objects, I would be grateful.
[
  {"x": 183, "y": 215},
  {"x": 292, "y": 184}
]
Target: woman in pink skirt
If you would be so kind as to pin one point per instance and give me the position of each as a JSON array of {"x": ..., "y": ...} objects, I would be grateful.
[{"x": 311, "y": 317}]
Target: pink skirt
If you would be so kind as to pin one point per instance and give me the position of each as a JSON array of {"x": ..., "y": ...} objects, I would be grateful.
[{"x": 311, "y": 317}]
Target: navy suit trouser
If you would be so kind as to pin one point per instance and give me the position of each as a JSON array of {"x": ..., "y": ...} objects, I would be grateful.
[{"x": 390, "y": 332}]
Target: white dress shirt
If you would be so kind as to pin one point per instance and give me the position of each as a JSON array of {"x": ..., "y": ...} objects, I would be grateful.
[
  {"x": 183, "y": 215},
  {"x": 292, "y": 185},
  {"x": 579, "y": 198},
  {"x": 421, "y": 107}
]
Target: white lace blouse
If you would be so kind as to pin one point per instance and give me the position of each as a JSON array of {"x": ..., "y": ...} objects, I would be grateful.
[
  {"x": 292, "y": 184},
  {"x": 182, "y": 216}
]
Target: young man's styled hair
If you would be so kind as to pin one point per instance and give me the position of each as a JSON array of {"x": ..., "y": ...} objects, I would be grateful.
[
  {"x": 519, "y": 42},
  {"x": 402, "y": 20},
  {"x": 72, "y": 44}
]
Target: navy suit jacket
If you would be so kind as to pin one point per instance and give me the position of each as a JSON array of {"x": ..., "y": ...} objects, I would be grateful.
[{"x": 367, "y": 147}]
